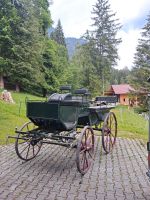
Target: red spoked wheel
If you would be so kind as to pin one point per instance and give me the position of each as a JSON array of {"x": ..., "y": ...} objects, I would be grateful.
[
  {"x": 109, "y": 132},
  {"x": 27, "y": 146},
  {"x": 85, "y": 150}
]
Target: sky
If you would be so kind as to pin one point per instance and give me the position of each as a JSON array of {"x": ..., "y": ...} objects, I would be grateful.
[{"x": 75, "y": 16}]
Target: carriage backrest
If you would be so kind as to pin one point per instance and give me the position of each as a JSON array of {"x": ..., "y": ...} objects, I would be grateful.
[
  {"x": 81, "y": 95},
  {"x": 82, "y": 91},
  {"x": 65, "y": 88},
  {"x": 106, "y": 100}
]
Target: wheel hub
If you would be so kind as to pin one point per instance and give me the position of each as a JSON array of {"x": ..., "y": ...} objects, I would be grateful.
[{"x": 34, "y": 142}]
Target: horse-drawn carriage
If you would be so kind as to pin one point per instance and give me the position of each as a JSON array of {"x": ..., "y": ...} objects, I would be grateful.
[{"x": 68, "y": 120}]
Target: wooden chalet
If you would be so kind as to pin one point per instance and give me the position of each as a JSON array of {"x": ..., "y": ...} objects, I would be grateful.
[{"x": 124, "y": 92}]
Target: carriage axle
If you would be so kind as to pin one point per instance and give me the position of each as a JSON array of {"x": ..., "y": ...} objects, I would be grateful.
[{"x": 56, "y": 143}]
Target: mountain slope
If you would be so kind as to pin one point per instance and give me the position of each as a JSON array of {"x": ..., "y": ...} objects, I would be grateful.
[{"x": 72, "y": 43}]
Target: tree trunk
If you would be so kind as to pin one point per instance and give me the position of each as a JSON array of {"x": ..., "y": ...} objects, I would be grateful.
[
  {"x": 1, "y": 82},
  {"x": 17, "y": 87}
]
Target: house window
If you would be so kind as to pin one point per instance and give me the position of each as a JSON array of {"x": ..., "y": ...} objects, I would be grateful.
[{"x": 124, "y": 99}]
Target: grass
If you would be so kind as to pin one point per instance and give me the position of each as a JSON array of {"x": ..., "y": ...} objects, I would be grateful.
[
  {"x": 13, "y": 115},
  {"x": 130, "y": 124}
]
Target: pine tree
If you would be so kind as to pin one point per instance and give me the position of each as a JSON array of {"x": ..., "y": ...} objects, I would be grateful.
[
  {"x": 56, "y": 65},
  {"x": 58, "y": 34},
  {"x": 141, "y": 69},
  {"x": 85, "y": 75},
  {"x": 28, "y": 57},
  {"x": 41, "y": 8},
  {"x": 7, "y": 16},
  {"x": 102, "y": 41},
  {"x": 21, "y": 43},
  {"x": 60, "y": 62},
  {"x": 104, "y": 35},
  {"x": 119, "y": 76},
  {"x": 26, "y": 48}
]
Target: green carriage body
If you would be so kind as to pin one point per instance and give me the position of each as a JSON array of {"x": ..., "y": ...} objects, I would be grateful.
[
  {"x": 65, "y": 115},
  {"x": 53, "y": 116}
]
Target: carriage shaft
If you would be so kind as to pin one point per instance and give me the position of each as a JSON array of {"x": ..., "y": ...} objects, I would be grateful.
[
  {"x": 15, "y": 137},
  {"x": 44, "y": 134},
  {"x": 27, "y": 132}
]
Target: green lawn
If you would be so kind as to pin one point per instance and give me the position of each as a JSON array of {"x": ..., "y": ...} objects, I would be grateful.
[
  {"x": 13, "y": 115},
  {"x": 130, "y": 124}
]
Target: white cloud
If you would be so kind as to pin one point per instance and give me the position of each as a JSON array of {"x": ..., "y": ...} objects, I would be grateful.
[
  {"x": 127, "y": 48},
  {"x": 130, "y": 9},
  {"x": 75, "y": 16}
]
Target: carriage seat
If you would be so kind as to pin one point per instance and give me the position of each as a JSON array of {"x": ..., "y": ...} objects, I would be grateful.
[{"x": 60, "y": 97}]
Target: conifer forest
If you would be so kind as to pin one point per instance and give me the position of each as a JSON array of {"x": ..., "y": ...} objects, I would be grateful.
[{"x": 37, "y": 61}]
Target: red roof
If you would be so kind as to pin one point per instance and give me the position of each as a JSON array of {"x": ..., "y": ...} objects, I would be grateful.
[{"x": 122, "y": 89}]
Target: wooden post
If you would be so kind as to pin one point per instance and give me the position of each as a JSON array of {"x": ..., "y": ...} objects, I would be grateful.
[
  {"x": 1, "y": 82},
  {"x": 17, "y": 87},
  {"x": 103, "y": 84}
]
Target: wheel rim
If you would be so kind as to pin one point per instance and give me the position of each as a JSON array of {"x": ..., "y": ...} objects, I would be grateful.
[
  {"x": 85, "y": 150},
  {"x": 28, "y": 146},
  {"x": 109, "y": 132}
]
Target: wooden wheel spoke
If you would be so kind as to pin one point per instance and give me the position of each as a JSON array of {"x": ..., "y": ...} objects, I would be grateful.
[
  {"x": 89, "y": 142},
  {"x": 90, "y": 155},
  {"x": 83, "y": 160},
  {"x": 85, "y": 163},
  {"x": 28, "y": 127},
  {"x": 38, "y": 145},
  {"x": 82, "y": 151},
  {"x": 106, "y": 141},
  {"x": 110, "y": 122},
  {"x": 85, "y": 138},
  {"x": 112, "y": 135},
  {"x": 33, "y": 150},
  {"x": 113, "y": 125},
  {"x": 88, "y": 134},
  {"x": 23, "y": 142},
  {"x": 105, "y": 132},
  {"x": 111, "y": 142},
  {"x": 28, "y": 151},
  {"x": 82, "y": 145},
  {"x": 24, "y": 149}
]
